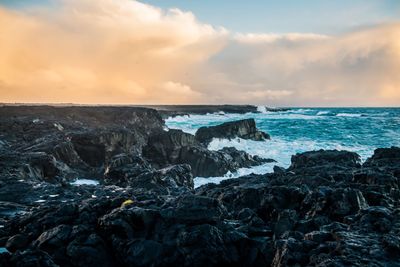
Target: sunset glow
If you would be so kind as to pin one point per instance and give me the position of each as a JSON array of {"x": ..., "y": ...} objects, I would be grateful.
[{"x": 128, "y": 52}]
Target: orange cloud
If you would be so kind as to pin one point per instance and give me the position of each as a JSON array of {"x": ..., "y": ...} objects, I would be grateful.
[
  {"x": 359, "y": 68},
  {"x": 107, "y": 51},
  {"x": 127, "y": 52}
]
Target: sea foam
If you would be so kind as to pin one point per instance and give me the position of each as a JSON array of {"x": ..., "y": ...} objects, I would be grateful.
[{"x": 360, "y": 130}]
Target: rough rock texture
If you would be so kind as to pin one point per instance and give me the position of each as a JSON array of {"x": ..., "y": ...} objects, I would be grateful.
[
  {"x": 316, "y": 159},
  {"x": 187, "y": 110},
  {"x": 245, "y": 129},
  {"x": 326, "y": 209},
  {"x": 173, "y": 110},
  {"x": 291, "y": 218},
  {"x": 177, "y": 147},
  {"x": 45, "y": 147}
]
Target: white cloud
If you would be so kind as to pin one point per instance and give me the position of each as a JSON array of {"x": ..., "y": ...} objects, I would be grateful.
[{"x": 260, "y": 38}]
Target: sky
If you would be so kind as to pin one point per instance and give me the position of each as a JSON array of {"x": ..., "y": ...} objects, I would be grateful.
[
  {"x": 277, "y": 53},
  {"x": 285, "y": 16}
]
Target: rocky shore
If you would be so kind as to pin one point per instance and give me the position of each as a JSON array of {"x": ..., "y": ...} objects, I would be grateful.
[
  {"x": 181, "y": 110},
  {"x": 326, "y": 209}
]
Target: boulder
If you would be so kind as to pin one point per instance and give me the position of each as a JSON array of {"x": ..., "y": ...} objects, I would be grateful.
[
  {"x": 124, "y": 167},
  {"x": 245, "y": 129},
  {"x": 16, "y": 242},
  {"x": 177, "y": 147},
  {"x": 164, "y": 148},
  {"x": 192, "y": 209},
  {"x": 325, "y": 157},
  {"x": 384, "y": 157},
  {"x": 177, "y": 177},
  {"x": 207, "y": 163},
  {"x": 42, "y": 166}
]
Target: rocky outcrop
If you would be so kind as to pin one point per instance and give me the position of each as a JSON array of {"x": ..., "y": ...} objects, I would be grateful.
[
  {"x": 325, "y": 157},
  {"x": 32, "y": 118},
  {"x": 290, "y": 218},
  {"x": 320, "y": 211},
  {"x": 77, "y": 141},
  {"x": 384, "y": 157},
  {"x": 245, "y": 129},
  {"x": 206, "y": 163},
  {"x": 164, "y": 148},
  {"x": 124, "y": 167},
  {"x": 326, "y": 209},
  {"x": 187, "y": 110},
  {"x": 176, "y": 147}
]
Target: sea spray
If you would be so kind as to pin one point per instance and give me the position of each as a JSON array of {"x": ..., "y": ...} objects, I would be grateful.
[{"x": 360, "y": 130}]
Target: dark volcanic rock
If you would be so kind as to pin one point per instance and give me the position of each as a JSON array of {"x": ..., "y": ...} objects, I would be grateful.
[
  {"x": 123, "y": 168},
  {"x": 176, "y": 147},
  {"x": 41, "y": 117},
  {"x": 325, "y": 157},
  {"x": 176, "y": 177},
  {"x": 318, "y": 213},
  {"x": 164, "y": 148},
  {"x": 385, "y": 157},
  {"x": 245, "y": 129},
  {"x": 173, "y": 110},
  {"x": 325, "y": 210},
  {"x": 206, "y": 163}
]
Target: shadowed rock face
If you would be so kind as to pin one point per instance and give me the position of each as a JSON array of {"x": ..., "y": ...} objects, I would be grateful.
[
  {"x": 245, "y": 129},
  {"x": 177, "y": 147}
]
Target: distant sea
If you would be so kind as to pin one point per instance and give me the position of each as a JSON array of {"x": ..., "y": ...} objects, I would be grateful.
[{"x": 302, "y": 129}]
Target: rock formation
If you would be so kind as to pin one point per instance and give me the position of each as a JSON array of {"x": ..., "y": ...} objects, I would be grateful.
[
  {"x": 326, "y": 209},
  {"x": 245, "y": 129}
]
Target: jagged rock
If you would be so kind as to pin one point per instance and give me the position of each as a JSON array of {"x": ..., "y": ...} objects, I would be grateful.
[
  {"x": 206, "y": 163},
  {"x": 91, "y": 152},
  {"x": 187, "y": 110},
  {"x": 42, "y": 166},
  {"x": 325, "y": 157},
  {"x": 89, "y": 250},
  {"x": 325, "y": 210},
  {"x": 16, "y": 242},
  {"x": 193, "y": 209},
  {"x": 245, "y": 129},
  {"x": 285, "y": 221},
  {"x": 384, "y": 157},
  {"x": 177, "y": 147},
  {"x": 123, "y": 168},
  {"x": 31, "y": 257},
  {"x": 175, "y": 177},
  {"x": 164, "y": 148},
  {"x": 54, "y": 237}
]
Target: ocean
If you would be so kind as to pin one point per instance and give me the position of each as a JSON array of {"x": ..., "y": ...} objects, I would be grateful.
[{"x": 297, "y": 130}]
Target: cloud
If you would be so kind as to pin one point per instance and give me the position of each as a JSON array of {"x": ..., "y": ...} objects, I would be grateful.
[
  {"x": 106, "y": 51},
  {"x": 359, "y": 68},
  {"x": 127, "y": 52},
  {"x": 260, "y": 38}
]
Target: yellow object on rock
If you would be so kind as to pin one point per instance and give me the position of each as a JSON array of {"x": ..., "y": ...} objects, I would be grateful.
[{"x": 127, "y": 202}]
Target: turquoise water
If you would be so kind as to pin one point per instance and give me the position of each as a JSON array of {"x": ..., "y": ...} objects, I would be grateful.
[{"x": 302, "y": 129}]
